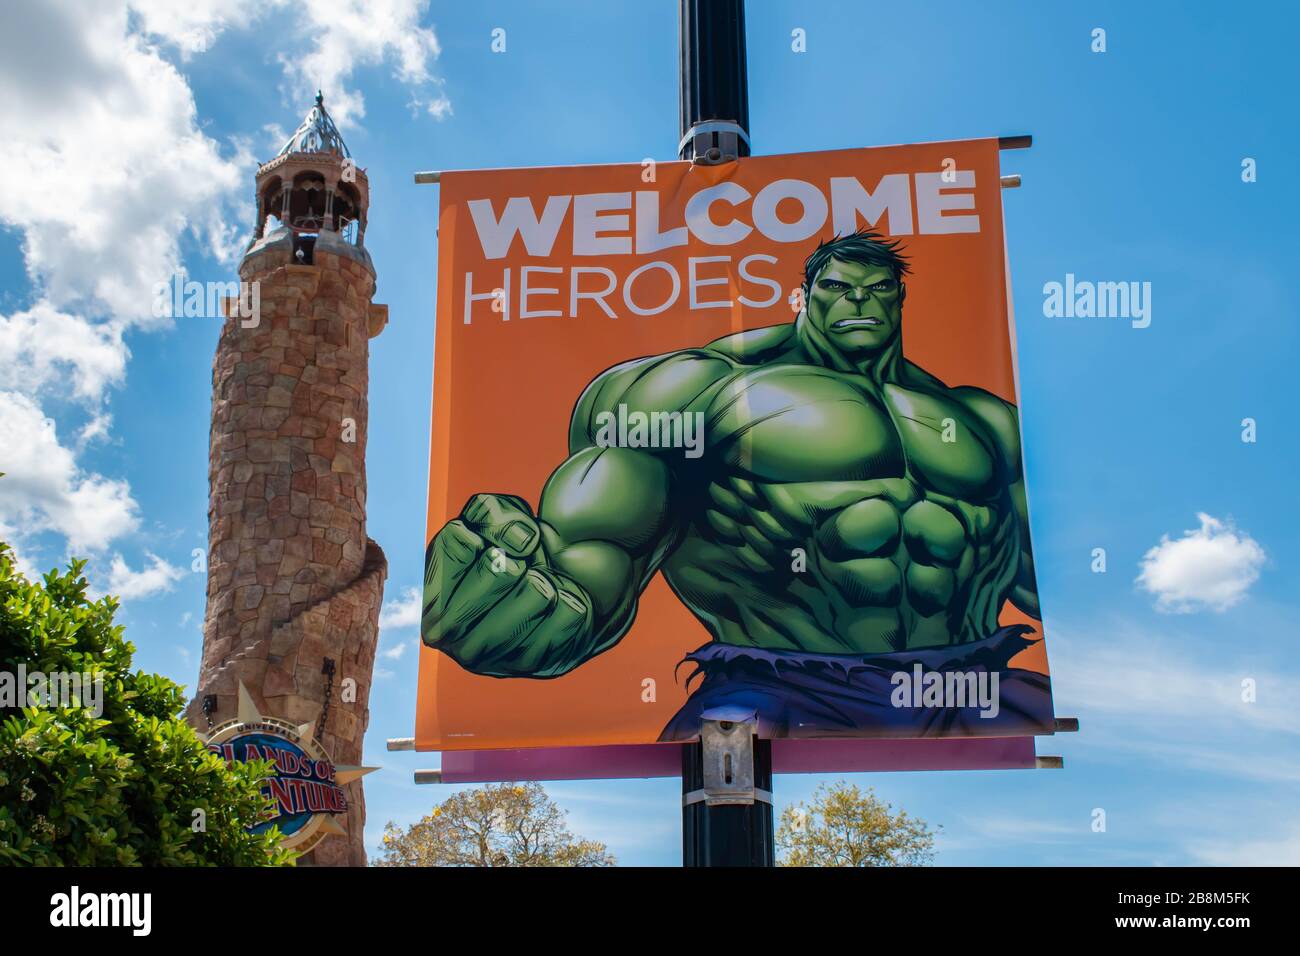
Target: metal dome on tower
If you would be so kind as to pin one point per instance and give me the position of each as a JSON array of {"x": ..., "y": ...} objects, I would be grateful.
[{"x": 316, "y": 134}]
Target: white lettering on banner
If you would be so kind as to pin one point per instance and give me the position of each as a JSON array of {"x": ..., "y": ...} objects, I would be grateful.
[
  {"x": 588, "y": 224},
  {"x": 810, "y": 199},
  {"x": 502, "y": 293},
  {"x": 702, "y": 226},
  {"x": 772, "y": 284},
  {"x": 934, "y": 195},
  {"x": 694, "y": 282},
  {"x": 525, "y": 291},
  {"x": 597, "y": 297},
  {"x": 637, "y": 273},
  {"x": 850, "y": 200},
  {"x": 635, "y": 293},
  {"x": 519, "y": 218},
  {"x": 617, "y": 224},
  {"x": 648, "y": 237}
]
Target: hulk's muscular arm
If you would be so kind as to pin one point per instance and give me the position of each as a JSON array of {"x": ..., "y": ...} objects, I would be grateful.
[
  {"x": 1003, "y": 423},
  {"x": 508, "y": 594}
]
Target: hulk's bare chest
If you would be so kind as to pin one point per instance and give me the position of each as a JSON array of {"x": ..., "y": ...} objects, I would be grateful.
[
  {"x": 882, "y": 512},
  {"x": 787, "y": 425}
]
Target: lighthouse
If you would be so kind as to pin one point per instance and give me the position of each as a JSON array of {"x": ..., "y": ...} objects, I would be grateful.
[{"x": 294, "y": 584}]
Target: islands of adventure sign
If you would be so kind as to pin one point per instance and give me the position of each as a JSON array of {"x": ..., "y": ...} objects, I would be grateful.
[
  {"x": 304, "y": 783},
  {"x": 727, "y": 439}
]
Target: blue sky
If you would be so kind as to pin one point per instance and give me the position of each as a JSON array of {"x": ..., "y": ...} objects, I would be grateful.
[{"x": 135, "y": 156}]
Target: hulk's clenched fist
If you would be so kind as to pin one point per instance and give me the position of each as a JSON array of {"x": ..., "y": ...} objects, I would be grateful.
[{"x": 491, "y": 596}]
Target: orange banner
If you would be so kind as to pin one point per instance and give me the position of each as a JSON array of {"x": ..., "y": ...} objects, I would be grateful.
[{"x": 727, "y": 440}]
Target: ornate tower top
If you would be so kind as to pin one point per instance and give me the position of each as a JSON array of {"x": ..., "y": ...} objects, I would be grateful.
[
  {"x": 317, "y": 195},
  {"x": 316, "y": 134}
]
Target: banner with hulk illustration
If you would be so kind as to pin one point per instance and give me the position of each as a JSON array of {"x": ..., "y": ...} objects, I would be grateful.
[{"x": 727, "y": 440}]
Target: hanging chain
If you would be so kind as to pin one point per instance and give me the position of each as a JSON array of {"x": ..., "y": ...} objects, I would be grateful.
[{"x": 326, "y": 668}]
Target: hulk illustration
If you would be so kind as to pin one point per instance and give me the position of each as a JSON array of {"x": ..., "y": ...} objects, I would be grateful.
[{"x": 846, "y": 518}]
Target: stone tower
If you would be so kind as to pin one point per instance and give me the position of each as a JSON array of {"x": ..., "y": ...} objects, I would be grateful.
[{"x": 294, "y": 583}]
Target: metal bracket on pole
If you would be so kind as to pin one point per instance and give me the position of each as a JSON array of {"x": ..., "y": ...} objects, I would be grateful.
[
  {"x": 714, "y": 142},
  {"x": 728, "y": 747}
]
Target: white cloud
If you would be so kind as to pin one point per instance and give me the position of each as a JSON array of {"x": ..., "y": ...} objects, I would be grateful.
[
  {"x": 1236, "y": 759},
  {"x": 403, "y": 611},
  {"x": 350, "y": 33},
  {"x": 400, "y": 612},
  {"x": 1021, "y": 829},
  {"x": 1277, "y": 850},
  {"x": 96, "y": 428},
  {"x": 158, "y": 576},
  {"x": 1142, "y": 678},
  {"x": 439, "y": 107},
  {"x": 1174, "y": 703},
  {"x": 395, "y": 652},
  {"x": 23, "y": 562},
  {"x": 44, "y": 489},
  {"x": 106, "y": 165},
  {"x": 276, "y": 137},
  {"x": 193, "y": 26},
  {"x": 44, "y": 348},
  {"x": 1212, "y": 567},
  {"x": 339, "y": 36},
  {"x": 598, "y": 810}
]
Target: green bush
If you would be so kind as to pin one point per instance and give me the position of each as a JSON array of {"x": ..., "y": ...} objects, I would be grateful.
[{"x": 121, "y": 789}]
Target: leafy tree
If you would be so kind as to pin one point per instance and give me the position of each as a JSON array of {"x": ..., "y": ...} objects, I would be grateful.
[
  {"x": 117, "y": 788},
  {"x": 508, "y": 824},
  {"x": 845, "y": 827}
]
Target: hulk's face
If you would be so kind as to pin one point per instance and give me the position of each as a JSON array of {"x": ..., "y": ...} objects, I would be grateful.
[{"x": 857, "y": 307}]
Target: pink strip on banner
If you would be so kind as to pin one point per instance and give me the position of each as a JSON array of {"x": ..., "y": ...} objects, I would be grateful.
[{"x": 788, "y": 756}]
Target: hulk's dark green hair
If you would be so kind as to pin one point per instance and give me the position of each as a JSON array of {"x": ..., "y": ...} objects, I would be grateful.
[{"x": 866, "y": 247}]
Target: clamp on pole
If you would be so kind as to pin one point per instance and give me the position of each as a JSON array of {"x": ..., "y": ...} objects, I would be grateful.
[
  {"x": 713, "y": 142},
  {"x": 728, "y": 747}
]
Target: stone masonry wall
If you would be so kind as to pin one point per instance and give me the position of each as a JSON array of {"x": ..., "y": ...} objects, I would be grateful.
[{"x": 292, "y": 577}]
